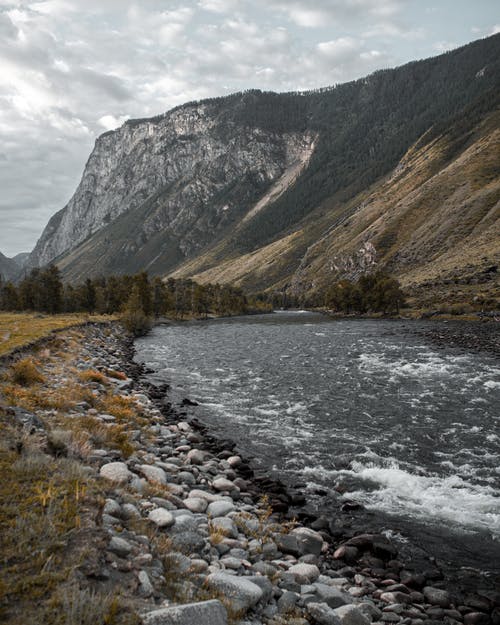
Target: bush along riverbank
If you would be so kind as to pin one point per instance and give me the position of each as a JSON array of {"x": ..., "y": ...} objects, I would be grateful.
[{"x": 116, "y": 508}]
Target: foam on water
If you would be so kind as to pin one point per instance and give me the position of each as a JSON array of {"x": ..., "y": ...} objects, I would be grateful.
[{"x": 453, "y": 498}]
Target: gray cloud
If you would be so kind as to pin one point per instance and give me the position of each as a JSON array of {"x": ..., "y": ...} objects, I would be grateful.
[{"x": 71, "y": 69}]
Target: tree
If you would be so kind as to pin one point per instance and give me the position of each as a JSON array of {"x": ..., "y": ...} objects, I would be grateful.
[{"x": 133, "y": 317}]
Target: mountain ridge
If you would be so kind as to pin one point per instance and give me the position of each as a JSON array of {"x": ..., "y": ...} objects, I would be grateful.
[{"x": 209, "y": 184}]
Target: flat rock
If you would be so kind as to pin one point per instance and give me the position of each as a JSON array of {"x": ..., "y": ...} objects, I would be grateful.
[
  {"x": 161, "y": 517},
  {"x": 205, "y": 612},
  {"x": 116, "y": 472},
  {"x": 240, "y": 592}
]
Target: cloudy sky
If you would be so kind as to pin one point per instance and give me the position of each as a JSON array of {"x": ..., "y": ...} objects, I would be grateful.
[{"x": 71, "y": 69}]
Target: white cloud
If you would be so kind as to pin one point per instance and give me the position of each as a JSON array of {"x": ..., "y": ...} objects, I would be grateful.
[
  {"x": 338, "y": 49},
  {"x": 110, "y": 122}
]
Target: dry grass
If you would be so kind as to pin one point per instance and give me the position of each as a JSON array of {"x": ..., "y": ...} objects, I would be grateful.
[
  {"x": 26, "y": 372},
  {"x": 92, "y": 375},
  {"x": 17, "y": 329}
]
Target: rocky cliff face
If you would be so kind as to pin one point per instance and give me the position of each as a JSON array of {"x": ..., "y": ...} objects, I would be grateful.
[
  {"x": 8, "y": 268},
  {"x": 188, "y": 172}
]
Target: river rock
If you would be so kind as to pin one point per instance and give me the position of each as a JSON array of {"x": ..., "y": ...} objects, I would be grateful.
[
  {"x": 223, "y": 484},
  {"x": 196, "y": 456},
  {"x": 395, "y": 597},
  {"x": 220, "y": 508},
  {"x": 239, "y": 591},
  {"x": 205, "y": 612},
  {"x": 329, "y": 595},
  {"x": 304, "y": 573},
  {"x": 120, "y": 546},
  {"x": 436, "y": 596},
  {"x": 225, "y": 526},
  {"x": 476, "y": 618},
  {"x": 116, "y": 472},
  {"x": 146, "y": 588},
  {"x": 350, "y": 615},
  {"x": 196, "y": 504},
  {"x": 154, "y": 475},
  {"x": 161, "y": 517},
  {"x": 347, "y": 553},
  {"x": 308, "y": 541},
  {"x": 322, "y": 614}
]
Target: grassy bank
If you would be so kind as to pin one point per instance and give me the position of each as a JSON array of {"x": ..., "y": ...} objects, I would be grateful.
[{"x": 18, "y": 329}]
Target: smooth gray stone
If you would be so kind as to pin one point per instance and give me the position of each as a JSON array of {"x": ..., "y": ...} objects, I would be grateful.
[
  {"x": 205, "y": 612},
  {"x": 322, "y": 614},
  {"x": 331, "y": 596},
  {"x": 239, "y": 591},
  {"x": 308, "y": 541},
  {"x": 220, "y": 508},
  {"x": 350, "y": 615},
  {"x": 188, "y": 542},
  {"x": 120, "y": 546},
  {"x": 287, "y": 601}
]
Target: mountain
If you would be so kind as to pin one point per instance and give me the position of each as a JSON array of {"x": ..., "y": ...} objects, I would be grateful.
[
  {"x": 8, "y": 268},
  {"x": 398, "y": 170},
  {"x": 21, "y": 259}
]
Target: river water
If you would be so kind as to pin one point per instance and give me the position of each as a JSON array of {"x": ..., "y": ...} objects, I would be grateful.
[{"x": 368, "y": 408}]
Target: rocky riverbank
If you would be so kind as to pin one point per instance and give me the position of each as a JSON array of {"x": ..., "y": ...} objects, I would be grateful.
[
  {"x": 470, "y": 335},
  {"x": 180, "y": 519}
]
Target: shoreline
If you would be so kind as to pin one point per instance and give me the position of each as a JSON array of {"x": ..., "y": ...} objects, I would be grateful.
[{"x": 288, "y": 572}]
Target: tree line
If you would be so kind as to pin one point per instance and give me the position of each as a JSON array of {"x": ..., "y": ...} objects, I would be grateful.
[{"x": 43, "y": 290}]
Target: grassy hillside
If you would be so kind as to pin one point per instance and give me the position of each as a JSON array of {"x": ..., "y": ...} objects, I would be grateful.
[{"x": 434, "y": 222}]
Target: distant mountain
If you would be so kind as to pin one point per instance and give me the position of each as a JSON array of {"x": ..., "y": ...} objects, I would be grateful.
[
  {"x": 21, "y": 259},
  {"x": 398, "y": 170},
  {"x": 8, "y": 268}
]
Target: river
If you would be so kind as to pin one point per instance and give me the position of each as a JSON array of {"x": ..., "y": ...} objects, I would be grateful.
[{"x": 368, "y": 408}]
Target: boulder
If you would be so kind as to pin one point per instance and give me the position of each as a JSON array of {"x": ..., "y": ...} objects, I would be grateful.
[{"x": 206, "y": 612}]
